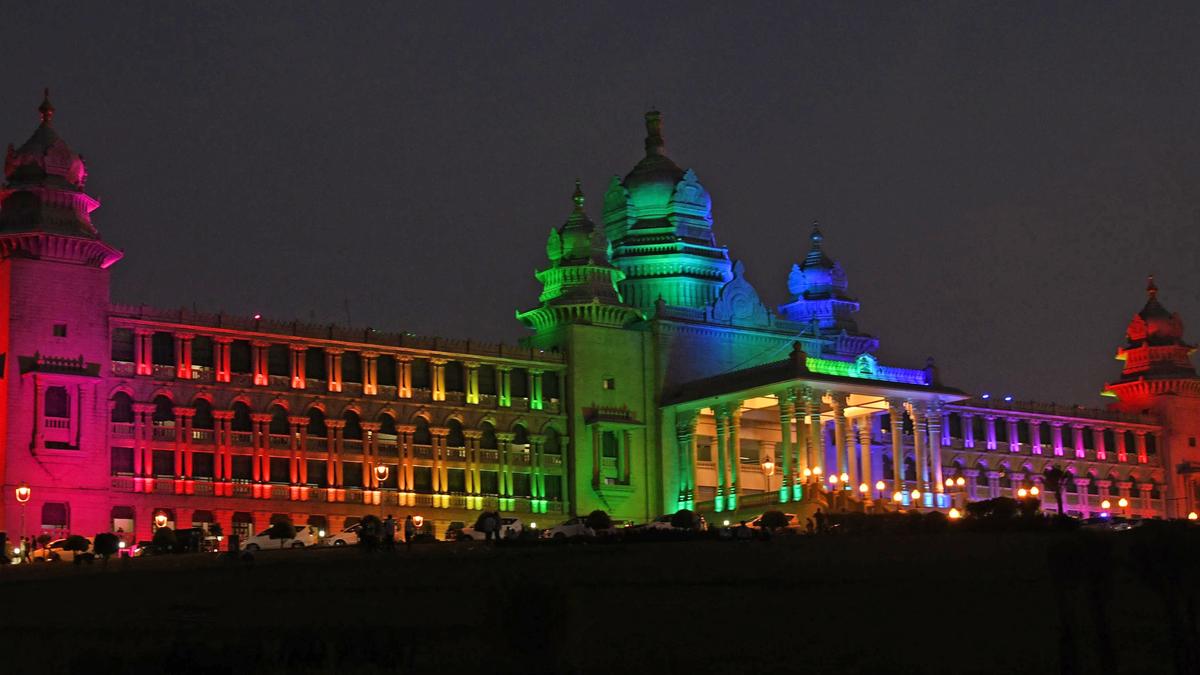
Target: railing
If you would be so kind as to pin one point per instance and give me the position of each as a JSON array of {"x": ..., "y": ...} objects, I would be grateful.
[
  {"x": 488, "y": 400},
  {"x": 354, "y": 495},
  {"x": 458, "y": 454},
  {"x": 422, "y": 395},
  {"x": 489, "y": 456},
  {"x": 241, "y": 379},
  {"x": 423, "y": 500},
  {"x": 202, "y": 436},
  {"x": 279, "y": 381},
  {"x": 317, "y": 444},
  {"x": 164, "y": 433},
  {"x": 352, "y": 445},
  {"x": 281, "y": 492},
  {"x": 352, "y": 388},
  {"x": 202, "y": 374},
  {"x": 520, "y": 403},
  {"x": 160, "y": 372},
  {"x": 422, "y": 451},
  {"x": 57, "y": 422},
  {"x": 204, "y": 487},
  {"x": 242, "y": 489},
  {"x": 455, "y": 397},
  {"x": 387, "y": 391},
  {"x": 123, "y": 483},
  {"x": 552, "y": 460},
  {"x": 280, "y": 441},
  {"x": 164, "y": 485},
  {"x": 241, "y": 437},
  {"x": 123, "y": 369},
  {"x": 519, "y": 458},
  {"x": 312, "y": 384}
]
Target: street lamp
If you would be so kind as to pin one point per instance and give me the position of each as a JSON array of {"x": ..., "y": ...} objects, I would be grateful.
[
  {"x": 879, "y": 486},
  {"x": 864, "y": 489},
  {"x": 916, "y": 497},
  {"x": 23, "y": 494},
  {"x": 960, "y": 481},
  {"x": 1192, "y": 515},
  {"x": 768, "y": 469},
  {"x": 845, "y": 479},
  {"x": 1034, "y": 491},
  {"x": 160, "y": 520},
  {"x": 897, "y": 497},
  {"x": 1124, "y": 504},
  {"x": 954, "y": 514},
  {"x": 1022, "y": 493},
  {"x": 1106, "y": 505}
]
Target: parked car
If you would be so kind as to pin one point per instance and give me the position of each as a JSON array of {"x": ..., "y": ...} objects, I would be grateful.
[
  {"x": 346, "y": 537},
  {"x": 306, "y": 535},
  {"x": 454, "y": 529},
  {"x": 757, "y": 522},
  {"x": 509, "y": 528},
  {"x": 56, "y": 551},
  {"x": 575, "y": 527}
]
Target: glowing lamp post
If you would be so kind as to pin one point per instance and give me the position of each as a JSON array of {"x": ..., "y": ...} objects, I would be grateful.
[
  {"x": 845, "y": 480},
  {"x": 1022, "y": 493},
  {"x": 954, "y": 514},
  {"x": 1124, "y": 504},
  {"x": 381, "y": 474},
  {"x": 897, "y": 497},
  {"x": 1192, "y": 515},
  {"x": 1034, "y": 491},
  {"x": 23, "y": 494},
  {"x": 916, "y": 498},
  {"x": 1105, "y": 505},
  {"x": 418, "y": 521},
  {"x": 160, "y": 520},
  {"x": 879, "y": 487}
]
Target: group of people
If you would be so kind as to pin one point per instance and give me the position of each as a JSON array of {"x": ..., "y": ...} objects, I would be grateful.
[
  {"x": 490, "y": 525},
  {"x": 375, "y": 532}
]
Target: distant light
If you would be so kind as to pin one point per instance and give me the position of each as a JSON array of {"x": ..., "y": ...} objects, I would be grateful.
[
  {"x": 1192, "y": 516},
  {"x": 1104, "y": 514},
  {"x": 1034, "y": 491},
  {"x": 727, "y": 523},
  {"x": 985, "y": 396},
  {"x": 954, "y": 514},
  {"x": 1008, "y": 399},
  {"x": 533, "y": 525},
  {"x": 120, "y": 544},
  {"x": 257, "y": 317}
]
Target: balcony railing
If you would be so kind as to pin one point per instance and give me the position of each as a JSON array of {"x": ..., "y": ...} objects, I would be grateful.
[
  {"x": 242, "y": 489},
  {"x": 317, "y": 444},
  {"x": 204, "y": 436},
  {"x": 280, "y": 441},
  {"x": 161, "y": 372},
  {"x": 456, "y": 454},
  {"x": 244, "y": 438},
  {"x": 352, "y": 445},
  {"x": 203, "y": 487},
  {"x": 552, "y": 460},
  {"x": 123, "y": 483},
  {"x": 423, "y": 451},
  {"x": 122, "y": 429},
  {"x": 519, "y": 458},
  {"x": 123, "y": 369},
  {"x": 164, "y": 433},
  {"x": 489, "y": 456}
]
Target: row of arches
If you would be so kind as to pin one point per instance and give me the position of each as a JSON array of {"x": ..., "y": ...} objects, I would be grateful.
[{"x": 317, "y": 426}]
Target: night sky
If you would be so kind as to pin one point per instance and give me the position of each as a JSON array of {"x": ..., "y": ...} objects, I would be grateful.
[{"x": 997, "y": 180}]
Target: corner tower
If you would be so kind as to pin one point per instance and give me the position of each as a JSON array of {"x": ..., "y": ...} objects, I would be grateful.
[
  {"x": 820, "y": 301},
  {"x": 1159, "y": 379},
  {"x": 54, "y": 303},
  {"x": 659, "y": 220}
]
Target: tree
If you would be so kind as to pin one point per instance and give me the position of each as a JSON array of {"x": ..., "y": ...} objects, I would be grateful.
[
  {"x": 106, "y": 544},
  {"x": 1053, "y": 479},
  {"x": 598, "y": 520},
  {"x": 79, "y": 544},
  {"x": 282, "y": 530},
  {"x": 683, "y": 519},
  {"x": 773, "y": 520},
  {"x": 164, "y": 540}
]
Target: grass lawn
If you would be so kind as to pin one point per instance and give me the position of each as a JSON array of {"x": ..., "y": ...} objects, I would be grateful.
[{"x": 922, "y": 603}]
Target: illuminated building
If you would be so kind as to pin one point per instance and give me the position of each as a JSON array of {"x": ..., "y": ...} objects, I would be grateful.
[{"x": 654, "y": 378}]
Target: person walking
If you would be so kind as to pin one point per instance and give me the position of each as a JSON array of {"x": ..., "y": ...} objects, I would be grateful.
[
  {"x": 410, "y": 531},
  {"x": 389, "y": 533}
]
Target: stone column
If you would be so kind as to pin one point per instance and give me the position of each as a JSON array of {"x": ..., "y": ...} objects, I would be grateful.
[
  {"x": 439, "y": 458},
  {"x": 333, "y": 459},
  {"x": 261, "y": 440},
  {"x": 787, "y": 410},
  {"x": 221, "y": 422},
  {"x": 896, "y": 419},
  {"x": 1077, "y": 437},
  {"x": 919, "y": 446},
  {"x": 221, "y": 358},
  {"x": 685, "y": 453},
  {"x": 596, "y": 456},
  {"x": 298, "y": 459},
  {"x": 180, "y": 412},
  {"x": 183, "y": 355},
  {"x": 297, "y": 354},
  {"x": 1035, "y": 436},
  {"x": 370, "y": 373},
  {"x": 989, "y": 427},
  {"x": 472, "y": 437},
  {"x": 504, "y": 440},
  {"x": 1098, "y": 442},
  {"x": 1014, "y": 434},
  {"x": 721, "y": 418},
  {"x": 142, "y": 430},
  {"x": 735, "y": 455},
  {"x": 839, "y": 433},
  {"x": 404, "y": 443},
  {"x": 471, "y": 373},
  {"x": 1081, "y": 495},
  {"x": 259, "y": 363},
  {"x": 370, "y": 455},
  {"x": 333, "y": 369},
  {"x": 816, "y": 435},
  {"x": 1056, "y": 438},
  {"x": 864, "y": 441},
  {"x": 504, "y": 398},
  {"x": 437, "y": 378},
  {"x": 404, "y": 377},
  {"x": 535, "y": 389},
  {"x": 143, "y": 351},
  {"x": 1142, "y": 457},
  {"x": 968, "y": 429},
  {"x": 934, "y": 421},
  {"x": 1122, "y": 451}
]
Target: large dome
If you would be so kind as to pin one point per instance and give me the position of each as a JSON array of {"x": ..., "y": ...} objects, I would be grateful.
[{"x": 652, "y": 182}]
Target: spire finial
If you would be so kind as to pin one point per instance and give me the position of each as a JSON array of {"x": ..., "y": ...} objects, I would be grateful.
[
  {"x": 1151, "y": 288},
  {"x": 816, "y": 237},
  {"x": 46, "y": 109},
  {"x": 578, "y": 196},
  {"x": 654, "y": 137}
]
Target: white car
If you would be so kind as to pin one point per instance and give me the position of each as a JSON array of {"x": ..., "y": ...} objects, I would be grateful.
[
  {"x": 346, "y": 537},
  {"x": 575, "y": 527},
  {"x": 757, "y": 522},
  {"x": 306, "y": 535},
  {"x": 509, "y": 528},
  {"x": 55, "y": 551},
  {"x": 659, "y": 523}
]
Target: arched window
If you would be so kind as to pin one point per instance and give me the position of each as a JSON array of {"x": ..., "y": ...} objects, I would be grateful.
[
  {"x": 553, "y": 445},
  {"x": 387, "y": 424},
  {"x": 164, "y": 410},
  {"x": 487, "y": 438},
  {"x": 203, "y": 418},
  {"x": 58, "y": 403},
  {"x": 279, "y": 421},
  {"x": 316, "y": 423},
  {"x": 455, "y": 438},
  {"x": 122, "y": 408},
  {"x": 520, "y": 435},
  {"x": 241, "y": 418},
  {"x": 1093, "y": 487},
  {"x": 421, "y": 435},
  {"x": 1113, "y": 489},
  {"x": 353, "y": 430},
  {"x": 981, "y": 479}
]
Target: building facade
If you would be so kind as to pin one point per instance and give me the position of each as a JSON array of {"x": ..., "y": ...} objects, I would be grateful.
[{"x": 654, "y": 378}]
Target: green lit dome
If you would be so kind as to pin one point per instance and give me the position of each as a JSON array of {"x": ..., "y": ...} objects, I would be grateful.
[{"x": 652, "y": 182}]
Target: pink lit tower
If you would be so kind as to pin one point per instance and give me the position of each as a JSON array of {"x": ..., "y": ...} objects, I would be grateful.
[{"x": 54, "y": 279}]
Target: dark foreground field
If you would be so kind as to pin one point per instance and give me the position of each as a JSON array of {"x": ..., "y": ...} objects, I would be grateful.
[{"x": 954, "y": 603}]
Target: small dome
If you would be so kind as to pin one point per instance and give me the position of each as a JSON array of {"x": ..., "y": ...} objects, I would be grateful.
[
  {"x": 45, "y": 158},
  {"x": 652, "y": 182},
  {"x": 1159, "y": 325}
]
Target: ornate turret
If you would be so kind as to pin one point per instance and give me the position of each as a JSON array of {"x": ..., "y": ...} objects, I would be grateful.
[
  {"x": 819, "y": 300},
  {"x": 580, "y": 285},
  {"x": 1157, "y": 360},
  {"x": 659, "y": 220},
  {"x": 44, "y": 211}
]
